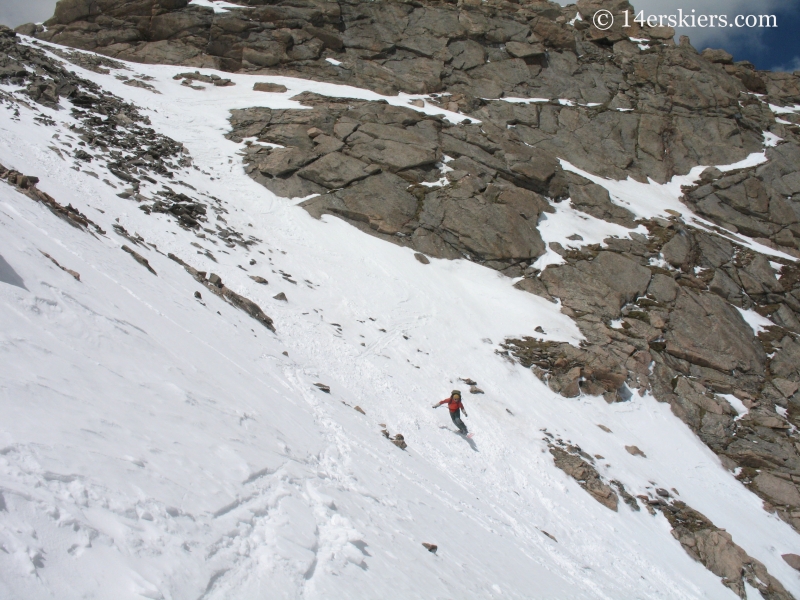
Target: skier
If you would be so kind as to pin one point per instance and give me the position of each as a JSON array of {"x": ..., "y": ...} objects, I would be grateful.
[{"x": 455, "y": 406}]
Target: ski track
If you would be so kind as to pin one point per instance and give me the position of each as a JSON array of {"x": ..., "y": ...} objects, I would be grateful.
[{"x": 152, "y": 448}]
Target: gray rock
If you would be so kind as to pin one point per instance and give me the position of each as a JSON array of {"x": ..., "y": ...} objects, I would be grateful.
[
  {"x": 634, "y": 451},
  {"x": 722, "y": 285},
  {"x": 422, "y": 258},
  {"x": 586, "y": 476},
  {"x": 707, "y": 331},
  {"x": 140, "y": 259},
  {"x": 336, "y": 170},
  {"x": 786, "y": 318},
  {"x": 467, "y": 54},
  {"x": 280, "y": 162},
  {"x": 663, "y": 288},
  {"x": 272, "y": 88},
  {"x": 678, "y": 250},
  {"x": 715, "y": 548},
  {"x": 381, "y": 201},
  {"x": 717, "y": 56},
  {"x": 793, "y": 560},
  {"x": 594, "y": 200},
  {"x": 778, "y": 490}
]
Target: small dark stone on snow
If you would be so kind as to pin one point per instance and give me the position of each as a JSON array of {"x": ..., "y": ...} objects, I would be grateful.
[
  {"x": 634, "y": 450},
  {"x": 662, "y": 492},
  {"x": 259, "y": 279},
  {"x": 539, "y": 329},
  {"x": 140, "y": 259},
  {"x": 285, "y": 353},
  {"x": 432, "y": 548},
  {"x": 198, "y": 295},
  {"x": 422, "y": 258},
  {"x": 575, "y": 237},
  {"x": 474, "y": 389},
  {"x": 281, "y": 297},
  {"x": 549, "y": 535},
  {"x": 361, "y": 410},
  {"x": 323, "y": 387}
]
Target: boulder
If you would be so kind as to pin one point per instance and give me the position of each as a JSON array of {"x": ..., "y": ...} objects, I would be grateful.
[
  {"x": 717, "y": 55},
  {"x": 663, "y": 288},
  {"x": 273, "y": 88},
  {"x": 677, "y": 251},
  {"x": 779, "y": 491},
  {"x": 707, "y": 331},
  {"x": 793, "y": 560},
  {"x": 594, "y": 200}
]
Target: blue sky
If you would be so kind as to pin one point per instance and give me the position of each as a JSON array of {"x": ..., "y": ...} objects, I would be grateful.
[{"x": 767, "y": 48}]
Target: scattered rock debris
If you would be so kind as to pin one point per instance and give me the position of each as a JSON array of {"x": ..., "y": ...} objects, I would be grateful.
[
  {"x": 140, "y": 259},
  {"x": 215, "y": 285},
  {"x": 75, "y": 274},
  {"x": 578, "y": 465}
]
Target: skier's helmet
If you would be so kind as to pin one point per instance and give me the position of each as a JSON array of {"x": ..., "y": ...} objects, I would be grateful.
[{"x": 455, "y": 393}]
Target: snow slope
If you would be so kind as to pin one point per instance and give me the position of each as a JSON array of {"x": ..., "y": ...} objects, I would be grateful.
[{"x": 156, "y": 446}]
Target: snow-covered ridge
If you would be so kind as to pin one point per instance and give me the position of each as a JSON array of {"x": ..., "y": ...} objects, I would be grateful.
[{"x": 162, "y": 446}]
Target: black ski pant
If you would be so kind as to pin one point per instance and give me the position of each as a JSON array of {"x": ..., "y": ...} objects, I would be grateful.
[{"x": 456, "y": 416}]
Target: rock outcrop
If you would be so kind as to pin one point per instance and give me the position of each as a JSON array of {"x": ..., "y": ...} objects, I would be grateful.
[
  {"x": 716, "y": 550},
  {"x": 580, "y": 466}
]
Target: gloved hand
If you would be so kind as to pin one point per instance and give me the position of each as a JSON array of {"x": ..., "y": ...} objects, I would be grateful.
[
  {"x": 465, "y": 414},
  {"x": 436, "y": 406}
]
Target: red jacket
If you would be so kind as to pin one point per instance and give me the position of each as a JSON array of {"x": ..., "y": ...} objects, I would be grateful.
[{"x": 452, "y": 404}]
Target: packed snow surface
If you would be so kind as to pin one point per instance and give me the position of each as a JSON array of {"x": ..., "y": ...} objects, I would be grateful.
[
  {"x": 219, "y": 6},
  {"x": 153, "y": 445},
  {"x": 757, "y": 322}
]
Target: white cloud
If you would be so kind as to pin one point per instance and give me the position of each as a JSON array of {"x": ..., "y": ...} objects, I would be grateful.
[
  {"x": 792, "y": 65},
  {"x": 17, "y": 12}
]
